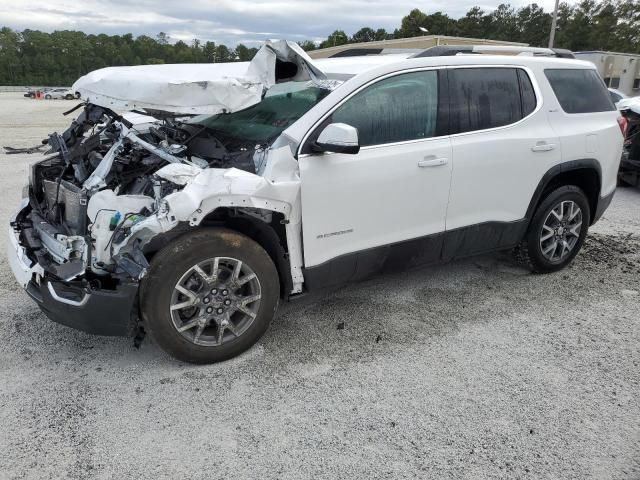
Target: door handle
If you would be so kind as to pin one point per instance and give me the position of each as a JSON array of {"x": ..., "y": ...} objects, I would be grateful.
[
  {"x": 543, "y": 147},
  {"x": 432, "y": 162}
]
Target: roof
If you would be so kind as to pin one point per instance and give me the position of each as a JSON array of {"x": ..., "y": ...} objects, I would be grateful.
[{"x": 343, "y": 67}]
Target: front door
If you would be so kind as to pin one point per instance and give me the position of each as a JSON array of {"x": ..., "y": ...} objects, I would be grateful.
[{"x": 395, "y": 189}]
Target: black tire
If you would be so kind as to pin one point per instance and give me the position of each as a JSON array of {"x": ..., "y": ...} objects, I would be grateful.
[
  {"x": 47, "y": 97},
  {"x": 78, "y": 95},
  {"x": 529, "y": 251},
  {"x": 170, "y": 264},
  {"x": 68, "y": 96}
]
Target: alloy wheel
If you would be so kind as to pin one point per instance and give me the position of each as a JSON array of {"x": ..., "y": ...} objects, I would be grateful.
[
  {"x": 561, "y": 231},
  {"x": 215, "y": 301}
]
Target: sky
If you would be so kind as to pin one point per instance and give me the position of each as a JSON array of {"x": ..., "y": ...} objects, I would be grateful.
[{"x": 226, "y": 21}]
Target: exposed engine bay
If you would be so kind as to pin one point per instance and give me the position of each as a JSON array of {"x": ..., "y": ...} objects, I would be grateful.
[{"x": 102, "y": 180}]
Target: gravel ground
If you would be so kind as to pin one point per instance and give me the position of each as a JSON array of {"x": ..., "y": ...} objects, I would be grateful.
[{"x": 473, "y": 370}]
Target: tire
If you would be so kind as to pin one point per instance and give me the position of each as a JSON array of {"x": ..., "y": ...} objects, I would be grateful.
[
  {"x": 47, "y": 97},
  {"x": 536, "y": 251},
  {"x": 212, "y": 330},
  {"x": 78, "y": 95},
  {"x": 68, "y": 96}
]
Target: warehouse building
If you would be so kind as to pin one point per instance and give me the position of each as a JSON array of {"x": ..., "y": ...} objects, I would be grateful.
[{"x": 619, "y": 70}]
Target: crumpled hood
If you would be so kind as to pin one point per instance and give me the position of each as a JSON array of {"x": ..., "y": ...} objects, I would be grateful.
[{"x": 208, "y": 88}]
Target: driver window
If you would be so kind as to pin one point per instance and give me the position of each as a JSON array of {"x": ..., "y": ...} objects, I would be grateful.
[{"x": 396, "y": 109}]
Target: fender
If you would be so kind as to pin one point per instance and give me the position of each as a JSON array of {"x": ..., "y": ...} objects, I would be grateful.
[{"x": 292, "y": 223}]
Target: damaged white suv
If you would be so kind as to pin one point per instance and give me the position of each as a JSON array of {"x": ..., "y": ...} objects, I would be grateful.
[{"x": 226, "y": 187}]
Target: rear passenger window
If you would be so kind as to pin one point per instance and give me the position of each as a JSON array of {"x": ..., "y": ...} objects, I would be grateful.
[
  {"x": 527, "y": 95},
  {"x": 579, "y": 91},
  {"x": 484, "y": 98},
  {"x": 396, "y": 109}
]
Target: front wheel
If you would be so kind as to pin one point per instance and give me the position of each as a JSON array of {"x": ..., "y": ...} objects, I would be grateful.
[
  {"x": 47, "y": 97},
  {"x": 209, "y": 295},
  {"x": 557, "y": 231}
]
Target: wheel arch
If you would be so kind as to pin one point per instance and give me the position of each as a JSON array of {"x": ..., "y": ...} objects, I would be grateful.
[
  {"x": 584, "y": 173},
  {"x": 270, "y": 235},
  {"x": 253, "y": 223}
]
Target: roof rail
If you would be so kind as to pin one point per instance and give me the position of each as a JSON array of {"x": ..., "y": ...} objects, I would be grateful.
[{"x": 450, "y": 50}]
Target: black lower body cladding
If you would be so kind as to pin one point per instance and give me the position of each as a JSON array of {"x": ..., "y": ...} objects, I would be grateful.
[{"x": 95, "y": 311}]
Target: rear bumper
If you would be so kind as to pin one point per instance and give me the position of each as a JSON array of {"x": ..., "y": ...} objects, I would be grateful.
[{"x": 603, "y": 204}]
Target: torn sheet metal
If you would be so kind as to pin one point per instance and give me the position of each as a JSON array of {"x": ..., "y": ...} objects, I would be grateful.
[
  {"x": 277, "y": 190},
  {"x": 179, "y": 173},
  {"x": 632, "y": 104},
  {"x": 195, "y": 88}
]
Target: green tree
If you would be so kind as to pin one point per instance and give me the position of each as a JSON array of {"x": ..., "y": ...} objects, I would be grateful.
[
  {"x": 474, "y": 24},
  {"x": 535, "y": 25},
  {"x": 410, "y": 25},
  {"x": 335, "y": 39},
  {"x": 627, "y": 34},
  {"x": 365, "y": 34},
  {"x": 245, "y": 54},
  {"x": 439, "y": 23},
  {"x": 381, "y": 34},
  {"x": 223, "y": 54},
  {"x": 503, "y": 23},
  {"x": 307, "y": 45}
]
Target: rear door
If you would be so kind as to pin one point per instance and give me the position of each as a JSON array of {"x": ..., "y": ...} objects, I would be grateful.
[
  {"x": 502, "y": 144},
  {"x": 395, "y": 189}
]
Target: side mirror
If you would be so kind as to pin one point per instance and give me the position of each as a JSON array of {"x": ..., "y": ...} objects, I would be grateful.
[{"x": 337, "y": 138}]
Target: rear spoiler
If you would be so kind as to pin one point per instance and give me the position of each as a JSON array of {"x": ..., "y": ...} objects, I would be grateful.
[{"x": 451, "y": 50}]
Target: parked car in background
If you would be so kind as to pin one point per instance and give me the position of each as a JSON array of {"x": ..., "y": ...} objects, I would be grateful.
[
  {"x": 629, "y": 173},
  {"x": 616, "y": 95},
  {"x": 59, "y": 93},
  {"x": 30, "y": 93}
]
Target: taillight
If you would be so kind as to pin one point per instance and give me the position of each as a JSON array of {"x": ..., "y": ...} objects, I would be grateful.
[{"x": 623, "y": 123}]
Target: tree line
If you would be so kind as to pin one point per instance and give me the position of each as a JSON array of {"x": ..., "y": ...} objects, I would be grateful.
[{"x": 32, "y": 57}]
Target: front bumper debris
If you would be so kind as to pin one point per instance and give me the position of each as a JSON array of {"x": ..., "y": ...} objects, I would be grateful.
[
  {"x": 79, "y": 305},
  {"x": 23, "y": 268}
]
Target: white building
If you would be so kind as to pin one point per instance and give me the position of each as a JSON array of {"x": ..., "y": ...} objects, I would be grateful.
[{"x": 619, "y": 70}]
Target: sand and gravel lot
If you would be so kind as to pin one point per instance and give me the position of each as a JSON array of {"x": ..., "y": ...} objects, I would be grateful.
[{"x": 471, "y": 370}]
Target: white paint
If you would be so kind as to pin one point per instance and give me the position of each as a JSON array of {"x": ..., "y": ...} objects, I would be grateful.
[{"x": 194, "y": 88}]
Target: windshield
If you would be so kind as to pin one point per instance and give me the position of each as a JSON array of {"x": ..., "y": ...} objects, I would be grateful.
[{"x": 283, "y": 104}]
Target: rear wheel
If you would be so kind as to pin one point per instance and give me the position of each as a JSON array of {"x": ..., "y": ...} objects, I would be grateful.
[
  {"x": 68, "y": 96},
  {"x": 47, "y": 97},
  {"x": 210, "y": 295},
  {"x": 557, "y": 231}
]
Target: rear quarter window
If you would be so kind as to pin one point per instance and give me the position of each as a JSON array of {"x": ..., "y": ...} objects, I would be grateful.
[
  {"x": 579, "y": 91},
  {"x": 491, "y": 97}
]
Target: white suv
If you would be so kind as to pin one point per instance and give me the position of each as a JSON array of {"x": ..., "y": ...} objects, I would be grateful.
[{"x": 297, "y": 174}]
